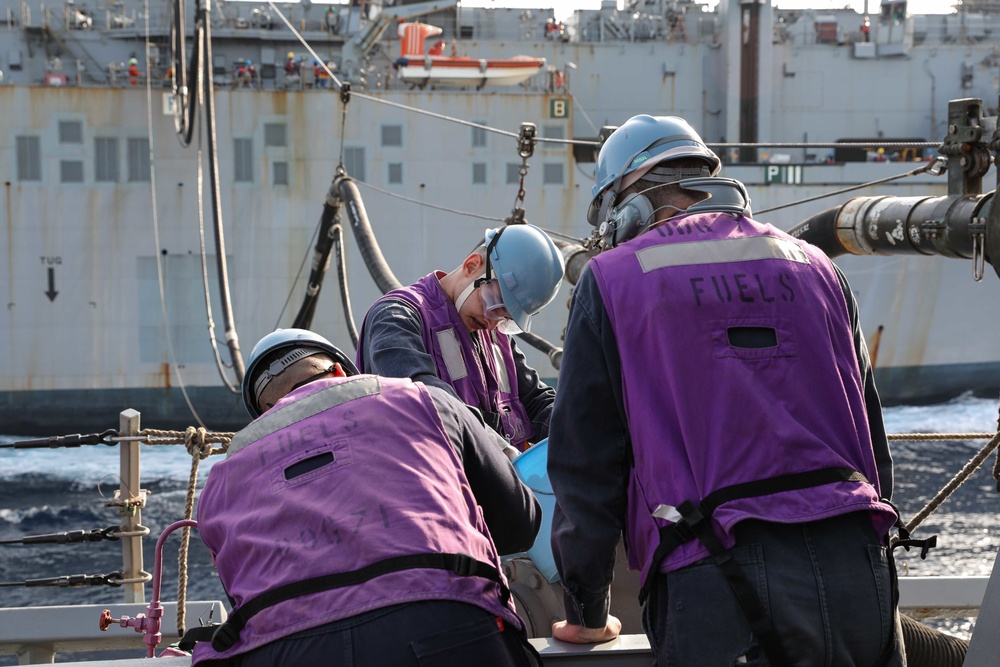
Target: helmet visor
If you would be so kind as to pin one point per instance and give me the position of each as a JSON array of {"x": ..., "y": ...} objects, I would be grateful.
[{"x": 494, "y": 309}]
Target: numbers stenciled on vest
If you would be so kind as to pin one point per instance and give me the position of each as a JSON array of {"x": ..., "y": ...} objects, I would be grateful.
[{"x": 334, "y": 530}]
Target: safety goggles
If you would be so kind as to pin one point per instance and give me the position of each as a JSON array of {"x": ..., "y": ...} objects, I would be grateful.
[
  {"x": 494, "y": 309},
  {"x": 489, "y": 289}
]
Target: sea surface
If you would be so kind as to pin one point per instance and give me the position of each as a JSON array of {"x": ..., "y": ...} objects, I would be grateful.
[{"x": 46, "y": 491}]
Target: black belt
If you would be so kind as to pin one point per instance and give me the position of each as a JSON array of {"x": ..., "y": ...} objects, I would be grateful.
[
  {"x": 224, "y": 636},
  {"x": 695, "y": 523}
]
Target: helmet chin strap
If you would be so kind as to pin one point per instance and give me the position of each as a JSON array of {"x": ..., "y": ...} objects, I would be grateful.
[{"x": 464, "y": 296}]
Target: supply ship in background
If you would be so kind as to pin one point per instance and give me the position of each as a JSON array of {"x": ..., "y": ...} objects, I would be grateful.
[{"x": 106, "y": 221}]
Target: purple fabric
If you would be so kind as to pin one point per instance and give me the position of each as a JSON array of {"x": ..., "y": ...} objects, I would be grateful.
[
  {"x": 480, "y": 387},
  {"x": 714, "y": 414},
  {"x": 395, "y": 486}
]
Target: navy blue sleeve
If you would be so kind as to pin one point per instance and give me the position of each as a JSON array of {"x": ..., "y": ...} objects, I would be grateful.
[
  {"x": 589, "y": 458},
  {"x": 873, "y": 404},
  {"x": 394, "y": 345},
  {"x": 509, "y": 507}
]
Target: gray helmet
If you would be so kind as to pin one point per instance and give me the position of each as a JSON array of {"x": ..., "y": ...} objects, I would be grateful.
[
  {"x": 300, "y": 344},
  {"x": 528, "y": 266},
  {"x": 635, "y": 148}
]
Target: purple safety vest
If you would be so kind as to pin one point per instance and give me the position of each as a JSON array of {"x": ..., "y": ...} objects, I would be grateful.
[
  {"x": 706, "y": 409},
  {"x": 488, "y": 382},
  {"x": 340, "y": 474}
]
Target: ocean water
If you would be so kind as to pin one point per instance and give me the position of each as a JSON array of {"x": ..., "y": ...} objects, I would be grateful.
[{"x": 49, "y": 491}]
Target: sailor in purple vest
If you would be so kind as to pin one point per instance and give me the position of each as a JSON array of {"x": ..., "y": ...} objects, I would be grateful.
[
  {"x": 717, "y": 407},
  {"x": 358, "y": 521},
  {"x": 455, "y": 330}
]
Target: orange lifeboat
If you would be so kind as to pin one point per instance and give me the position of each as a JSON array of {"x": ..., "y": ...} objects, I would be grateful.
[{"x": 419, "y": 69}]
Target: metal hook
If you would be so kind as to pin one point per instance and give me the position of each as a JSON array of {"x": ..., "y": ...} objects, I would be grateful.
[
  {"x": 526, "y": 140},
  {"x": 978, "y": 256},
  {"x": 937, "y": 166}
]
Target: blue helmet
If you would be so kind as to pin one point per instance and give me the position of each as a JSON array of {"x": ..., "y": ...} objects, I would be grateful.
[
  {"x": 636, "y": 147},
  {"x": 300, "y": 344},
  {"x": 529, "y": 268}
]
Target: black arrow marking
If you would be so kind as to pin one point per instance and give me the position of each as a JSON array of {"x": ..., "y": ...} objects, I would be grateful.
[{"x": 52, "y": 293}]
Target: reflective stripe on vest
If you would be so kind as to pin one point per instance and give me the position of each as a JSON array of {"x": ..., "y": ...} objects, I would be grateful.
[
  {"x": 272, "y": 422},
  {"x": 720, "y": 252}
]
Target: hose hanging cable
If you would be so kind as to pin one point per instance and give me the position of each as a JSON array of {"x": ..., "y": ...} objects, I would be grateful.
[
  {"x": 345, "y": 297},
  {"x": 207, "y": 295},
  {"x": 367, "y": 243},
  {"x": 232, "y": 340},
  {"x": 321, "y": 261}
]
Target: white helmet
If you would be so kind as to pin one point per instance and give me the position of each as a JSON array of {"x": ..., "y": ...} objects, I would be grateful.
[{"x": 300, "y": 344}]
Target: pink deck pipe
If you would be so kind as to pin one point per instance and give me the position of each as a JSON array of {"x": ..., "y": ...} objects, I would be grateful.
[{"x": 149, "y": 623}]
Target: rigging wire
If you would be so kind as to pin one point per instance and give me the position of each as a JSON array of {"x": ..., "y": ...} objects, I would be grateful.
[
  {"x": 465, "y": 214},
  {"x": 829, "y": 144},
  {"x": 298, "y": 274},
  {"x": 438, "y": 207},
  {"x": 583, "y": 112},
  {"x": 934, "y": 167}
]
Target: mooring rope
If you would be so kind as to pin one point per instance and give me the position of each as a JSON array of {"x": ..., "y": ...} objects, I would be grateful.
[
  {"x": 940, "y": 436},
  {"x": 199, "y": 445},
  {"x": 959, "y": 478}
]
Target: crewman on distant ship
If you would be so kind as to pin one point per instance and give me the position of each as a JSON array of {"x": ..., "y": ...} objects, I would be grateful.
[
  {"x": 133, "y": 71},
  {"x": 455, "y": 330},
  {"x": 359, "y": 521},
  {"x": 717, "y": 405},
  {"x": 244, "y": 74},
  {"x": 291, "y": 65},
  {"x": 332, "y": 19}
]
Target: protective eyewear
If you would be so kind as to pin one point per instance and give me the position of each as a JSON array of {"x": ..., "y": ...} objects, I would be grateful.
[{"x": 494, "y": 309}]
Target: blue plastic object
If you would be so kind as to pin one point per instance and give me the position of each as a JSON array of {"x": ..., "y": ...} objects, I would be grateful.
[{"x": 532, "y": 468}]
